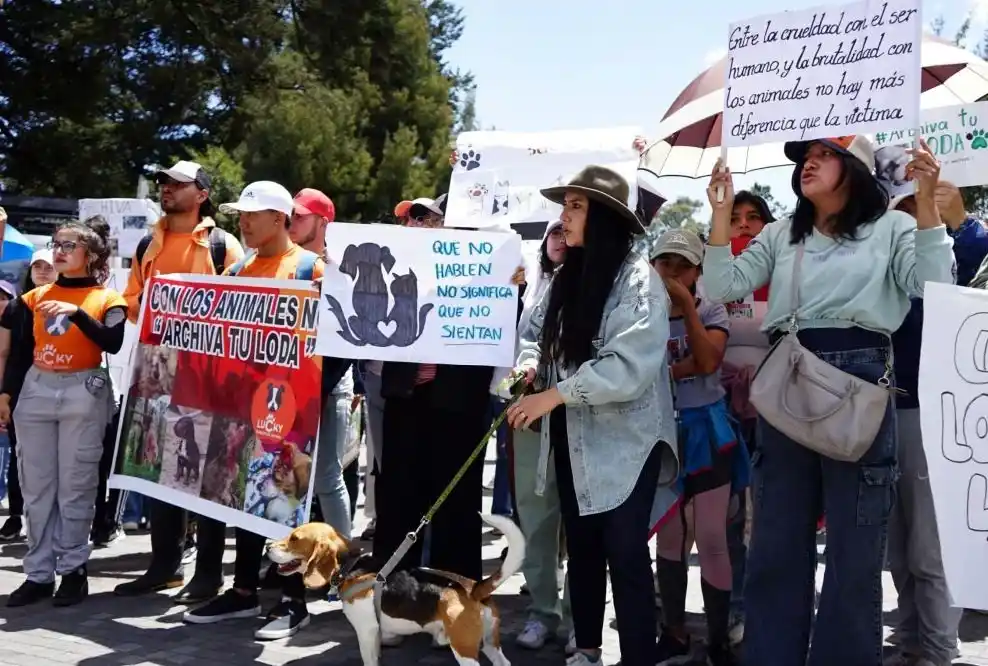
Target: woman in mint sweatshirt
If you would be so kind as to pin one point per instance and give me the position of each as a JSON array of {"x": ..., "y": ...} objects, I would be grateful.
[{"x": 862, "y": 262}]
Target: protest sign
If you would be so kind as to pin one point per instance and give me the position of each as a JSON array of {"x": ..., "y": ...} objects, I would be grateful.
[
  {"x": 419, "y": 295},
  {"x": 953, "y": 398},
  {"x": 829, "y": 71},
  {"x": 221, "y": 412},
  {"x": 119, "y": 363},
  {"x": 954, "y": 135},
  {"x": 129, "y": 219},
  {"x": 497, "y": 176}
]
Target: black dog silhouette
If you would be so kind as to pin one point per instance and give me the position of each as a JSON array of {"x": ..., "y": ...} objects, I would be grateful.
[
  {"x": 366, "y": 265},
  {"x": 405, "y": 313},
  {"x": 188, "y": 451}
]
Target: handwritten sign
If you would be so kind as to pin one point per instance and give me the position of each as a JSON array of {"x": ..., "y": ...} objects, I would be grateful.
[
  {"x": 953, "y": 397},
  {"x": 129, "y": 220},
  {"x": 957, "y": 135},
  {"x": 222, "y": 407},
  {"x": 419, "y": 295},
  {"x": 829, "y": 71},
  {"x": 498, "y": 175}
]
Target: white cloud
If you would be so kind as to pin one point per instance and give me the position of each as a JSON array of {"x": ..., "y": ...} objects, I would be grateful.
[{"x": 710, "y": 57}]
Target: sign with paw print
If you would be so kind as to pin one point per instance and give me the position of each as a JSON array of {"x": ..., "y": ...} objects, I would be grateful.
[
  {"x": 497, "y": 176},
  {"x": 957, "y": 135}
]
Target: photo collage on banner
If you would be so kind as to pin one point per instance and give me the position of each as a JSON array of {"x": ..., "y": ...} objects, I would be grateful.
[
  {"x": 419, "y": 295},
  {"x": 221, "y": 413}
]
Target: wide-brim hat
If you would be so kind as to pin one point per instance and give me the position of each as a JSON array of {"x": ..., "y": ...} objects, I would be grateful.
[{"x": 604, "y": 186}]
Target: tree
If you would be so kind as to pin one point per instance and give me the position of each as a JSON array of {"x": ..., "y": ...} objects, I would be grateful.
[
  {"x": 779, "y": 211},
  {"x": 353, "y": 97},
  {"x": 679, "y": 214}
]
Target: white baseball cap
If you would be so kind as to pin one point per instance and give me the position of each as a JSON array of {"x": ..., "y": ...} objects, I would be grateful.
[
  {"x": 431, "y": 205},
  {"x": 261, "y": 195},
  {"x": 43, "y": 255},
  {"x": 185, "y": 171}
]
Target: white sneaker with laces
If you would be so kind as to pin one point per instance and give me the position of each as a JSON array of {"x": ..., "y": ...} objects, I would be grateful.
[{"x": 533, "y": 636}]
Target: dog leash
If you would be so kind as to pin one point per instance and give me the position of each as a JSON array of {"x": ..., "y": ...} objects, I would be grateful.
[{"x": 517, "y": 391}]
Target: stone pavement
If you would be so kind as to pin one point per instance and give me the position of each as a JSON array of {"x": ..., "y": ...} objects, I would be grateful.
[{"x": 110, "y": 631}]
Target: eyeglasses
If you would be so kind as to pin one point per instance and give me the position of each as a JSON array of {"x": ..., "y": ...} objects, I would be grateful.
[
  {"x": 65, "y": 247},
  {"x": 427, "y": 220}
]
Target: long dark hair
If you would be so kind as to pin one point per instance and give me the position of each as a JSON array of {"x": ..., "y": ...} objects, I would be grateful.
[
  {"x": 546, "y": 265},
  {"x": 758, "y": 203},
  {"x": 582, "y": 285},
  {"x": 866, "y": 202}
]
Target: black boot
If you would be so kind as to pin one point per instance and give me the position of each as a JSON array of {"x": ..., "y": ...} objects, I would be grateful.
[
  {"x": 717, "y": 605},
  {"x": 30, "y": 592},
  {"x": 672, "y": 576},
  {"x": 73, "y": 588},
  {"x": 155, "y": 579}
]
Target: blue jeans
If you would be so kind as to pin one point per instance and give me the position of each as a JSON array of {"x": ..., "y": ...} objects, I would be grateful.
[
  {"x": 133, "y": 508},
  {"x": 329, "y": 485},
  {"x": 501, "y": 502},
  {"x": 4, "y": 462},
  {"x": 792, "y": 485}
]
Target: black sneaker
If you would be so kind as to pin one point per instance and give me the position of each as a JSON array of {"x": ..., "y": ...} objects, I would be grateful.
[
  {"x": 197, "y": 591},
  {"x": 148, "y": 583},
  {"x": 13, "y": 529},
  {"x": 228, "y": 606},
  {"x": 721, "y": 655},
  {"x": 104, "y": 536},
  {"x": 73, "y": 588},
  {"x": 672, "y": 651},
  {"x": 30, "y": 592},
  {"x": 284, "y": 620}
]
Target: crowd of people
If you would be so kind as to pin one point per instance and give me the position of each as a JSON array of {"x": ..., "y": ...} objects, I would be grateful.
[{"x": 638, "y": 366}]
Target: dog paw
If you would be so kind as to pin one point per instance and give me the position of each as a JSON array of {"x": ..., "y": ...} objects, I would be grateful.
[{"x": 470, "y": 160}]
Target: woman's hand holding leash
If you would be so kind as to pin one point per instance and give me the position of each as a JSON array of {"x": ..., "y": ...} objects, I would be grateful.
[{"x": 531, "y": 408}]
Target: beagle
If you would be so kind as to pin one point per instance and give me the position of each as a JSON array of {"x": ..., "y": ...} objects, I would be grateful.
[{"x": 457, "y": 611}]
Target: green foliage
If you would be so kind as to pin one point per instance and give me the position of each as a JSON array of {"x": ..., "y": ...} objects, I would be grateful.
[
  {"x": 779, "y": 210},
  {"x": 681, "y": 214},
  {"x": 351, "y": 97}
]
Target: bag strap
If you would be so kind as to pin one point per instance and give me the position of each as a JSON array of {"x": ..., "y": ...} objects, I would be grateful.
[
  {"x": 797, "y": 264},
  {"x": 217, "y": 249}
]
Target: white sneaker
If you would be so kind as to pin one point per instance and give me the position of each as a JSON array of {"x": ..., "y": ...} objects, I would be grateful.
[
  {"x": 582, "y": 659},
  {"x": 130, "y": 526},
  {"x": 533, "y": 636}
]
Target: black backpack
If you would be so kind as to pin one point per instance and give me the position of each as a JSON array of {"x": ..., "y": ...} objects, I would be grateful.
[{"x": 217, "y": 249}]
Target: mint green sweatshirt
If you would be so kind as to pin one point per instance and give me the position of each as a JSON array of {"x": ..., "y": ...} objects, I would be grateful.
[{"x": 866, "y": 282}]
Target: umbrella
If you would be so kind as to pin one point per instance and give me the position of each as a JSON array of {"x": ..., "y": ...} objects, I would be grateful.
[
  {"x": 689, "y": 143},
  {"x": 16, "y": 246}
]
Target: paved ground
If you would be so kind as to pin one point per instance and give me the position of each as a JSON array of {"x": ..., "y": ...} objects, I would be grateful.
[{"x": 109, "y": 631}]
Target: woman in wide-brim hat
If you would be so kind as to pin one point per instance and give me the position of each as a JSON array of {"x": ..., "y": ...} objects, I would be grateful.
[{"x": 596, "y": 344}]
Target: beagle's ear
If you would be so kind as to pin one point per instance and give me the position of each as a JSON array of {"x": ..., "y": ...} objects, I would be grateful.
[
  {"x": 321, "y": 566},
  {"x": 387, "y": 259}
]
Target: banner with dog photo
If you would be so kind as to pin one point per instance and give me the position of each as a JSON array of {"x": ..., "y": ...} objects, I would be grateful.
[{"x": 221, "y": 411}]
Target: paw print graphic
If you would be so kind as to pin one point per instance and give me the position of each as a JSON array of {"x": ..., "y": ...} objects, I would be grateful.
[
  {"x": 470, "y": 160},
  {"x": 978, "y": 139}
]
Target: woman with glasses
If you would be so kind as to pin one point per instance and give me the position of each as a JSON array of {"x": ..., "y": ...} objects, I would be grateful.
[{"x": 64, "y": 404}]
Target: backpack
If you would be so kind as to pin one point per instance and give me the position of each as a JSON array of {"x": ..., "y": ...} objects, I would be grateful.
[
  {"x": 217, "y": 249},
  {"x": 303, "y": 270}
]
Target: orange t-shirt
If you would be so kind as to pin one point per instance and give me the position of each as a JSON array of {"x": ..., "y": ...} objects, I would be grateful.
[
  {"x": 58, "y": 343},
  {"x": 175, "y": 255},
  {"x": 281, "y": 267}
]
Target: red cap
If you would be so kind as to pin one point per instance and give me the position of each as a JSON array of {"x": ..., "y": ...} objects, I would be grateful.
[
  {"x": 313, "y": 202},
  {"x": 401, "y": 210}
]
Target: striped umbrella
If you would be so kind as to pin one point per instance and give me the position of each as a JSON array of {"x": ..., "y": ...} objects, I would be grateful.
[{"x": 690, "y": 129}]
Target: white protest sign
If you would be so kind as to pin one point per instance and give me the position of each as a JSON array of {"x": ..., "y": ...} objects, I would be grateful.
[
  {"x": 129, "y": 219},
  {"x": 953, "y": 397},
  {"x": 829, "y": 71},
  {"x": 954, "y": 136},
  {"x": 120, "y": 362},
  {"x": 498, "y": 175},
  {"x": 419, "y": 295}
]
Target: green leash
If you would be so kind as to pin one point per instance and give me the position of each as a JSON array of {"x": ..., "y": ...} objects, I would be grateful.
[{"x": 517, "y": 391}]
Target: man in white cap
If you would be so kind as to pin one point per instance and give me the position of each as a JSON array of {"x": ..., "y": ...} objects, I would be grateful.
[
  {"x": 184, "y": 240},
  {"x": 265, "y": 209}
]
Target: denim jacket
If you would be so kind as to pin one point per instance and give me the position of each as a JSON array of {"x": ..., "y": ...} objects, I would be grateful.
[{"x": 618, "y": 404}]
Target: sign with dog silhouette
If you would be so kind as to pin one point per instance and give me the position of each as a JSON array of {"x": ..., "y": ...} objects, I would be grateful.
[
  {"x": 419, "y": 295},
  {"x": 222, "y": 402},
  {"x": 497, "y": 175},
  {"x": 957, "y": 135},
  {"x": 953, "y": 400}
]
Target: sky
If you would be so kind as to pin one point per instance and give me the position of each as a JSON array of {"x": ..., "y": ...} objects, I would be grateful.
[{"x": 543, "y": 65}]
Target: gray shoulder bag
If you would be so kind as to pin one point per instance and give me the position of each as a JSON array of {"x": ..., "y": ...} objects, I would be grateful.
[{"x": 814, "y": 403}]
